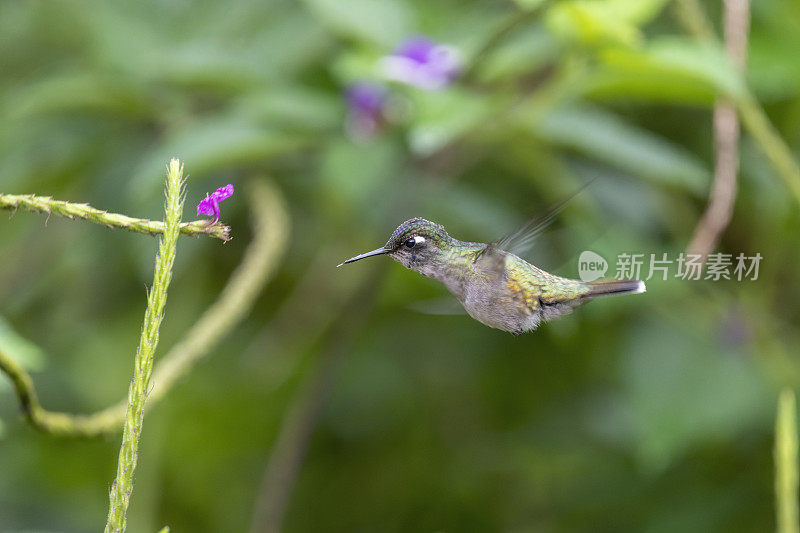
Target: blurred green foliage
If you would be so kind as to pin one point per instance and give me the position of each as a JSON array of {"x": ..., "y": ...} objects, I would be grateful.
[{"x": 648, "y": 413}]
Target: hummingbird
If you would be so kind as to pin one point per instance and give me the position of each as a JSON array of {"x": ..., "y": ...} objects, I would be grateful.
[{"x": 495, "y": 286}]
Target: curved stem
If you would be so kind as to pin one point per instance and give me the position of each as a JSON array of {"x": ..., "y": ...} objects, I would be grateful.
[
  {"x": 45, "y": 421},
  {"x": 270, "y": 236}
]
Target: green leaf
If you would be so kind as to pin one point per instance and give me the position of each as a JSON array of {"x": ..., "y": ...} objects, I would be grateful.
[
  {"x": 23, "y": 351},
  {"x": 380, "y": 22},
  {"x": 637, "y": 12},
  {"x": 773, "y": 69},
  {"x": 590, "y": 23},
  {"x": 529, "y": 5},
  {"x": 525, "y": 52},
  {"x": 292, "y": 107},
  {"x": 685, "y": 391},
  {"x": 441, "y": 116},
  {"x": 358, "y": 64},
  {"x": 353, "y": 174},
  {"x": 600, "y": 22},
  {"x": 81, "y": 92},
  {"x": 608, "y": 138},
  {"x": 673, "y": 69},
  {"x": 19, "y": 348},
  {"x": 209, "y": 145}
]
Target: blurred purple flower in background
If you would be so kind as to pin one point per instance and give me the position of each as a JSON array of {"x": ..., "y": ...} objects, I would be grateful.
[
  {"x": 209, "y": 205},
  {"x": 366, "y": 104},
  {"x": 422, "y": 63}
]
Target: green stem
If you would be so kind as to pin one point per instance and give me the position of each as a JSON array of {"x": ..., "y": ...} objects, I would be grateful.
[
  {"x": 786, "y": 472},
  {"x": 693, "y": 17},
  {"x": 753, "y": 117},
  {"x": 757, "y": 123},
  {"x": 121, "y": 488},
  {"x": 45, "y": 204},
  {"x": 505, "y": 28},
  {"x": 263, "y": 255},
  {"x": 41, "y": 419}
]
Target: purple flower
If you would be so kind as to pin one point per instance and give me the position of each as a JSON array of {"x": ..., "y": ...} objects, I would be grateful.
[
  {"x": 422, "y": 63},
  {"x": 209, "y": 205},
  {"x": 366, "y": 98},
  {"x": 366, "y": 103}
]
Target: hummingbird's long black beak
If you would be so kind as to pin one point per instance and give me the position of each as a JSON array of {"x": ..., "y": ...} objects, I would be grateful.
[{"x": 379, "y": 251}]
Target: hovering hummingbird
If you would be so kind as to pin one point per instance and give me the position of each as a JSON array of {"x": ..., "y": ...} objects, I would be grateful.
[{"x": 496, "y": 287}]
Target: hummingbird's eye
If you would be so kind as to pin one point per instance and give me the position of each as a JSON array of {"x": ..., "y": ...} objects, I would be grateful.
[{"x": 413, "y": 241}]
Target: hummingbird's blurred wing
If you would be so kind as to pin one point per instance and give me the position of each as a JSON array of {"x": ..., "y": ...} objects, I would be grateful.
[{"x": 521, "y": 240}]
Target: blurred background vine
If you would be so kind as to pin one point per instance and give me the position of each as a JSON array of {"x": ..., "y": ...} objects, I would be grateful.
[{"x": 332, "y": 406}]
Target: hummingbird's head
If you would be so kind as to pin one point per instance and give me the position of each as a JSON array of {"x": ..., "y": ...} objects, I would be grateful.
[{"x": 417, "y": 244}]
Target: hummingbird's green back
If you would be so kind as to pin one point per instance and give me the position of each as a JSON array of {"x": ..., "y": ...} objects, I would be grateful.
[{"x": 534, "y": 286}]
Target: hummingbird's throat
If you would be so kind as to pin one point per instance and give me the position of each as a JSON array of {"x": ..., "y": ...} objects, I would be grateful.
[{"x": 431, "y": 267}]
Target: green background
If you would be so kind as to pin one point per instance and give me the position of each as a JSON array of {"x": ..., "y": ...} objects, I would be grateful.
[{"x": 640, "y": 413}]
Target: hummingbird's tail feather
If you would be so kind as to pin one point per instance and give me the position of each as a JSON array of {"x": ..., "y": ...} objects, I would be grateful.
[{"x": 608, "y": 287}]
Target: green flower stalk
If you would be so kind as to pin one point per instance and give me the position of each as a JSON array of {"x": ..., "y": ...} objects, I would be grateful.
[
  {"x": 122, "y": 486},
  {"x": 786, "y": 470},
  {"x": 45, "y": 204}
]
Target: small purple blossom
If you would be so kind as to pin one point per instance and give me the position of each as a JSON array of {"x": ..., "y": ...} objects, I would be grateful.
[
  {"x": 366, "y": 98},
  {"x": 209, "y": 205},
  {"x": 366, "y": 104},
  {"x": 422, "y": 63}
]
